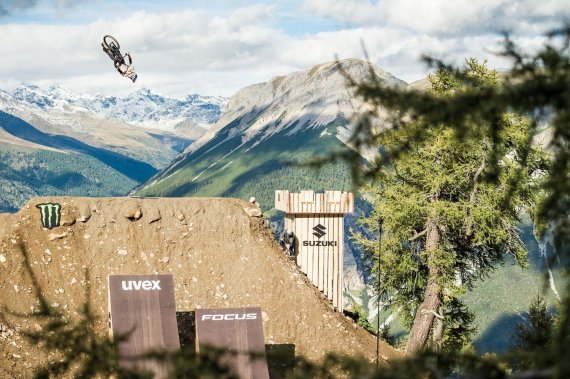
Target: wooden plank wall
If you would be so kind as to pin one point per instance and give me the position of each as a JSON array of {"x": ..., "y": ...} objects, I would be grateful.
[
  {"x": 314, "y": 203},
  {"x": 323, "y": 265},
  {"x": 340, "y": 254}
]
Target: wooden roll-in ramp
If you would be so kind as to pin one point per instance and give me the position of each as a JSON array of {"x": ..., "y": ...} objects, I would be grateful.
[
  {"x": 239, "y": 333},
  {"x": 142, "y": 308}
]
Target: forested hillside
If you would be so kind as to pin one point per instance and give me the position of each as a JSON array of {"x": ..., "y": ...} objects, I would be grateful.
[
  {"x": 26, "y": 173},
  {"x": 256, "y": 168}
]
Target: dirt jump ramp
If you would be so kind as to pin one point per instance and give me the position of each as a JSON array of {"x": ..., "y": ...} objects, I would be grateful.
[{"x": 219, "y": 255}]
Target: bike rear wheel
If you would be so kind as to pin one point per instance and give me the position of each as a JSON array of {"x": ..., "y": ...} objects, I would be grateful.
[{"x": 111, "y": 42}]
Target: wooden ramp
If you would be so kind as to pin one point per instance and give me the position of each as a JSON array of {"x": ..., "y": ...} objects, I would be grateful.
[
  {"x": 238, "y": 331},
  {"x": 143, "y": 305}
]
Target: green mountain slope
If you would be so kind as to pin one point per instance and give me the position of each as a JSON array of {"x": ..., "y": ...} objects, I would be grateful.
[
  {"x": 25, "y": 173},
  {"x": 34, "y": 163},
  {"x": 502, "y": 300},
  {"x": 225, "y": 167},
  {"x": 132, "y": 168}
]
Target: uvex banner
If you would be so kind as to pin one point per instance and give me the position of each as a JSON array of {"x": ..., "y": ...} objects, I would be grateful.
[
  {"x": 239, "y": 330},
  {"x": 143, "y": 305}
]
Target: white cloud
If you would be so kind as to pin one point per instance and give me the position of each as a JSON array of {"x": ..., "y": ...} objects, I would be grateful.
[
  {"x": 446, "y": 17},
  {"x": 18, "y": 4},
  {"x": 349, "y": 11},
  {"x": 68, "y": 3},
  {"x": 12, "y": 7},
  {"x": 167, "y": 48},
  {"x": 398, "y": 51},
  {"x": 193, "y": 51}
]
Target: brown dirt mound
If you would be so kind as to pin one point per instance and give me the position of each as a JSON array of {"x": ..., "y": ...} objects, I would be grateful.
[{"x": 219, "y": 256}]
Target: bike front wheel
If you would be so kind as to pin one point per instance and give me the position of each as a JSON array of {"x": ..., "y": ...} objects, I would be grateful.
[{"x": 111, "y": 42}]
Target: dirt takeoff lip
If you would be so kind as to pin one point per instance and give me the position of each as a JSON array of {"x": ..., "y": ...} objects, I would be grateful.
[{"x": 219, "y": 256}]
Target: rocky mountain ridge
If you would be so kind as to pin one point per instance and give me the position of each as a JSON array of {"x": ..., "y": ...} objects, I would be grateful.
[
  {"x": 311, "y": 97},
  {"x": 286, "y": 106},
  {"x": 142, "y": 108}
]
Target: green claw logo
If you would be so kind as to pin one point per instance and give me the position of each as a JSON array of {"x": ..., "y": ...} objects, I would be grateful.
[{"x": 50, "y": 214}]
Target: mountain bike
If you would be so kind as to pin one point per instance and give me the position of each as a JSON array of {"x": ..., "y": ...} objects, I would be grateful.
[{"x": 112, "y": 47}]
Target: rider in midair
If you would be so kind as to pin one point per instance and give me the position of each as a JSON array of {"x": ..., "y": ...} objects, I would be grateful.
[{"x": 127, "y": 71}]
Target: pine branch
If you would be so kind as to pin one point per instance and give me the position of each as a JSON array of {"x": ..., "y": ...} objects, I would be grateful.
[
  {"x": 424, "y": 311},
  {"x": 418, "y": 235}
]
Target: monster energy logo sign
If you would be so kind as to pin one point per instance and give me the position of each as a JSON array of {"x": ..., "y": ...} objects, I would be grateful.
[{"x": 50, "y": 214}]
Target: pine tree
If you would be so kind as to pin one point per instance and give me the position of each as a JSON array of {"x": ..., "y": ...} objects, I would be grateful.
[
  {"x": 533, "y": 335},
  {"x": 445, "y": 223},
  {"x": 536, "y": 333}
]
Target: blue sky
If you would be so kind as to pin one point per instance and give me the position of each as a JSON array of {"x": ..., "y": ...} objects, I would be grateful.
[
  {"x": 216, "y": 47},
  {"x": 289, "y": 15}
]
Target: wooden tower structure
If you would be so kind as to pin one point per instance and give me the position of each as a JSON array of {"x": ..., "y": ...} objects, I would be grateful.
[{"x": 317, "y": 219}]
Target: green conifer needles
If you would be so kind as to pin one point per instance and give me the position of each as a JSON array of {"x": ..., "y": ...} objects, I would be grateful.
[{"x": 450, "y": 198}]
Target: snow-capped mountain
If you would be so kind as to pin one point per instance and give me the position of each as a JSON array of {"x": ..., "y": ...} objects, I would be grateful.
[
  {"x": 97, "y": 121},
  {"x": 142, "y": 108},
  {"x": 85, "y": 145}
]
